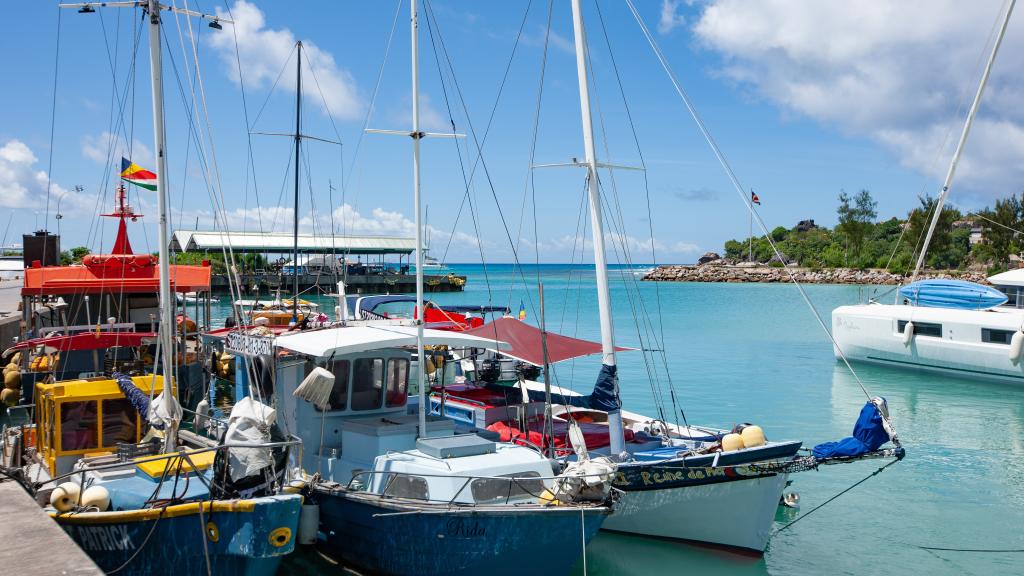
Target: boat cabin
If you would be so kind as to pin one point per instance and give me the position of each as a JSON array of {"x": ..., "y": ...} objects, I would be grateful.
[{"x": 79, "y": 418}]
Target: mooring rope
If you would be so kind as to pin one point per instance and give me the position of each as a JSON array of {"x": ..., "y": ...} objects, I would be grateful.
[{"x": 823, "y": 504}]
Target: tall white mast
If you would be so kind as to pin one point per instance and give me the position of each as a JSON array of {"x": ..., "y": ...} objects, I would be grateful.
[
  {"x": 157, "y": 86},
  {"x": 600, "y": 260},
  {"x": 421, "y": 376},
  {"x": 960, "y": 145}
]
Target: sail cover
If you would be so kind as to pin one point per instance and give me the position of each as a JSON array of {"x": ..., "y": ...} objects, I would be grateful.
[
  {"x": 944, "y": 293},
  {"x": 525, "y": 342}
]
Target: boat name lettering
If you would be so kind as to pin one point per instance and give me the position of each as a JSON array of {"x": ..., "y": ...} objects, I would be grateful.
[
  {"x": 663, "y": 476},
  {"x": 104, "y": 538},
  {"x": 250, "y": 345},
  {"x": 463, "y": 529}
]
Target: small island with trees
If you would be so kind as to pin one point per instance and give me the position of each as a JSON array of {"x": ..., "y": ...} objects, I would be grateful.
[{"x": 862, "y": 249}]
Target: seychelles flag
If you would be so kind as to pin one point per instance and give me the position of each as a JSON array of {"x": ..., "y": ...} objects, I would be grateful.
[
  {"x": 754, "y": 198},
  {"x": 134, "y": 174},
  {"x": 522, "y": 311}
]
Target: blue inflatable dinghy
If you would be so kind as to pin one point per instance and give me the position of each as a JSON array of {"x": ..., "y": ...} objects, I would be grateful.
[{"x": 952, "y": 294}]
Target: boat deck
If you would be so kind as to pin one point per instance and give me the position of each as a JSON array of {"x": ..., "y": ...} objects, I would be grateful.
[{"x": 26, "y": 523}]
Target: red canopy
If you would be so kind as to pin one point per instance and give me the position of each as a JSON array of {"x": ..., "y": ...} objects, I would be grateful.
[
  {"x": 88, "y": 340},
  {"x": 526, "y": 342}
]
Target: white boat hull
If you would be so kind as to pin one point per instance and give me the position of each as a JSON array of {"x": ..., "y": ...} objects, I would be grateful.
[
  {"x": 737, "y": 514},
  {"x": 872, "y": 333}
]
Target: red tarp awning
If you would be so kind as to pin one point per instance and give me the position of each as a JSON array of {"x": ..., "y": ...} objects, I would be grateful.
[
  {"x": 88, "y": 341},
  {"x": 526, "y": 342}
]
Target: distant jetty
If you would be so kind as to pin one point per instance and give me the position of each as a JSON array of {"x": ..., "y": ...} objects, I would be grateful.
[{"x": 720, "y": 272}]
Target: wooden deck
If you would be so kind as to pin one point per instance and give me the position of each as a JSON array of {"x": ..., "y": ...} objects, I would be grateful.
[{"x": 35, "y": 543}]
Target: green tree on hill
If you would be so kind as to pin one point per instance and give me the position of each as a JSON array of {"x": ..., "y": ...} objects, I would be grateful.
[
  {"x": 856, "y": 220},
  {"x": 943, "y": 252}
]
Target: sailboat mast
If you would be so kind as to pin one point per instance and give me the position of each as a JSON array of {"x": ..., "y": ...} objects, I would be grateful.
[
  {"x": 421, "y": 379},
  {"x": 960, "y": 145},
  {"x": 597, "y": 226},
  {"x": 166, "y": 298},
  {"x": 295, "y": 219}
]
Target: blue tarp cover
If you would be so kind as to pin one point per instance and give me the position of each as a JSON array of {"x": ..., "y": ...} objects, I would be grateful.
[
  {"x": 868, "y": 435},
  {"x": 942, "y": 293},
  {"x": 606, "y": 390}
]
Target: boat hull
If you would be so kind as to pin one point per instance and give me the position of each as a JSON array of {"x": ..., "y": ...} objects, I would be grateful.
[
  {"x": 243, "y": 537},
  {"x": 727, "y": 506},
  {"x": 377, "y": 537},
  {"x": 871, "y": 334}
]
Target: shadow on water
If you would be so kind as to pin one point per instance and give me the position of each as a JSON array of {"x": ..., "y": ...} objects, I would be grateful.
[{"x": 619, "y": 554}]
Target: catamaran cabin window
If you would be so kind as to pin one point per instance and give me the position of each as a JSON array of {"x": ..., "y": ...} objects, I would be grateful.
[
  {"x": 402, "y": 486},
  {"x": 526, "y": 484},
  {"x": 996, "y": 336},
  {"x": 398, "y": 382},
  {"x": 119, "y": 423},
  {"x": 339, "y": 393},
  {"x": 923, "y": 328},
  {"x": 78, "y": 426},
  {"x": 367, "y": 383}
]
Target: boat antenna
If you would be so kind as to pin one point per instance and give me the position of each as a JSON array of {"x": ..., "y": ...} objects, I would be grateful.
[{"x": 960, "y": 145}]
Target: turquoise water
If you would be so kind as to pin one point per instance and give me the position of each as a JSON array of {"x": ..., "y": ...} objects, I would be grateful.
[{"x": 754, "y": 353}]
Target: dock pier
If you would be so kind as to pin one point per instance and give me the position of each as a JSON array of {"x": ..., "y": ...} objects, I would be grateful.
[{"x": 46, "y": 548}]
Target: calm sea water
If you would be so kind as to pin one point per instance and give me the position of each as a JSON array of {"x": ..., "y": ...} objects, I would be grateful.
[{"x": 754, "y": 353}]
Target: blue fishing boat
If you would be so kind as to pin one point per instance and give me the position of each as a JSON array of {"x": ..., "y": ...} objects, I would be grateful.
[{"x": 947, "y": 293}]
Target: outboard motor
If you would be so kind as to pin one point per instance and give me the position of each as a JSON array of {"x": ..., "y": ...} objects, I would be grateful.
[
  {"x": 489, "y": 370},
  {"x": 527, "y": 371}
]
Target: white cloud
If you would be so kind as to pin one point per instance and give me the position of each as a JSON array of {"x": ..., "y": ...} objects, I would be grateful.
[
  {"x": 670, "y": 18},
  {"x": 106, "y": 147},
  {"x": 23, "y": 186},
  {"x": 555, "y": 40},
  {"x": 892, "y": 71},
  {"x": 263, "y": 51},
  {"x": 639, "y": 249}
]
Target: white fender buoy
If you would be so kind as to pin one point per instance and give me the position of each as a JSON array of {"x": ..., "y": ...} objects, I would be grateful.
[
  {"x": 202, "y": 414},
  {"x": 97, "y": 496},
  {"x": 1016, "y": 346},
  {"x": 309, "y": 519},
  {"x": 752, "y": 436},
  {"x": 65, "y": 496},
  {"x": 908, "y": 333}
]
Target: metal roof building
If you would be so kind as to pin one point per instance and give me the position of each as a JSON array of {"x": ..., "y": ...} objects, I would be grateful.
[{"x": 203, "y": 241}]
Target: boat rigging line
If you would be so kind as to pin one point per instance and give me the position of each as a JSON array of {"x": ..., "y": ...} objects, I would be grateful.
[{"x": 741, "y": 191}]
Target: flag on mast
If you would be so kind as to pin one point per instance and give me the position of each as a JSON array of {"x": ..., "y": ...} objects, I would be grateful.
[
  {"x": 134, "y": 174},
  {"x": 522, "y": 311},
  {"x": 754, "y": 198}
]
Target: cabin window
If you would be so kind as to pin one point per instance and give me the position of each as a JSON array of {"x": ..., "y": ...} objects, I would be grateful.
[
  {"x": 78, "y": 426},
  {"x": 402, "y": 486},
  {"x": 996, "y": 336},
  {"x": 398, "y": 382},
  {"x": 339, "y": 392},
  {"x": 367, "y": 383},
  {"x": 119, "y": 422},
  {"x": 923, "y": 328},
  {"x": 486, "y": 490}
]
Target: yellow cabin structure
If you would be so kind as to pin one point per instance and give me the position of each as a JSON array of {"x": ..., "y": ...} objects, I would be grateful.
[{"x": 76, "y": 418}]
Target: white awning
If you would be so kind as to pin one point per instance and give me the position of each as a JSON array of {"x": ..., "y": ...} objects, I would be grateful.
[
  {"x": 352, "y": 339},
  {"x": 1008, "y": 278},
  {"x": 202, "y": 241}
]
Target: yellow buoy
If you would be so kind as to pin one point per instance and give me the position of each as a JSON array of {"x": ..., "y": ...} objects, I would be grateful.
[
  {"x": 65, "y": 497},
  {"x": 546, "y": 497},
  {"x": 9, "y": 397},
  {"x": 12, "y": 367},
  {"x": 752, "y": 436},
  {"x": 16, "y": 359},
  {"x": 12, "y": 380},
  {"x": 732, "y": 442},
  {"x": 96, "y": 496}
]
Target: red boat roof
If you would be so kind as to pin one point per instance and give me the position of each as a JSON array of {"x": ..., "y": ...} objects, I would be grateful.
[
  {"x": 119, "y": 273},
  {"x": 526, "y": 342},
  {"x": 88, "y": 341}
]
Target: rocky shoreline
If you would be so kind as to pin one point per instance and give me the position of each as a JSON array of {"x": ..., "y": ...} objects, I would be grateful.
[{"x": 716, "y": 272}]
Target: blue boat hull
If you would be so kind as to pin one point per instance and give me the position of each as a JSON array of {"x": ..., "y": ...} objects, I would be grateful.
[
  {"x": 243, "y": 537},
  {"x": 381, "y": 537}
]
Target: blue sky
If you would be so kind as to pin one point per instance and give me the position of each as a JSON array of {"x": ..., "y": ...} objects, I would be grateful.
[{"x": 805, "y": 99}]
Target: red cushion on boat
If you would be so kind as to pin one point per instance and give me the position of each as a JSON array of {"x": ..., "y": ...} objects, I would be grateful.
[{"x": 594, "y": 435}]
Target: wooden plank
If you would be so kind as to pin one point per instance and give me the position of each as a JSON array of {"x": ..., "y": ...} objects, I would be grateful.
[{"x": 36, "y": 544}]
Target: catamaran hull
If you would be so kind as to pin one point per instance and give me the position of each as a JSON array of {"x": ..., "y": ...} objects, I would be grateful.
[
  {"x": 729, "y": 510},
  {"x": 872, "y": 334},
  {"x": 243, "y": 537},
  {"x": 379, "y": 538}
]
